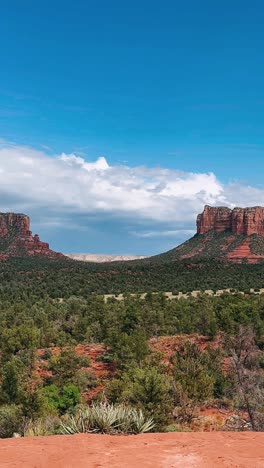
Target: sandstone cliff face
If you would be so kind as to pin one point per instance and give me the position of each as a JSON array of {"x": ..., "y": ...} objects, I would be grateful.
[
  {"x": 240, "y": 221},
  {"x": 8, "y": 221},
  {"x": 223, "y": 234},
  {"x": 16, "y": 239},
  {"x": 216, "y": 219}
]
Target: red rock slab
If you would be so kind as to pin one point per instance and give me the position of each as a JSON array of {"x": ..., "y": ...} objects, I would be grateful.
[
  {"x": 243, "y": 252},
  {"x": 183, "y": 450}
]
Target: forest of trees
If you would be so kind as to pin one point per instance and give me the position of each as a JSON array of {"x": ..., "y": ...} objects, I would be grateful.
[
  {"x": 65, "y": 278},
  {"x": 165, "y": 395}
]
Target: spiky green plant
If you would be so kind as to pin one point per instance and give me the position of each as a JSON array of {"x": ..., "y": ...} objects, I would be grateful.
[{"x": 107, "y": 419}]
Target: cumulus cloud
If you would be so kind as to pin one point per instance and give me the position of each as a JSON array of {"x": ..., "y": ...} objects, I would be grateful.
[
  {"x": 100, "y": 165},
  {"x": 166, "y": 200}
]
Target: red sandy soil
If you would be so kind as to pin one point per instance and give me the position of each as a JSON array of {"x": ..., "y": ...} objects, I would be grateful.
[
  {"x": 185, "y": 450},
  {"x": 168, "y": 345}
]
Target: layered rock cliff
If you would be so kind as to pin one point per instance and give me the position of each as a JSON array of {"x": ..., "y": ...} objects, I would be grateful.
[
  {"x": 224, "y": 234},
  {"x": 239, "y": 221},
  {"x": 17, "y": 240}
]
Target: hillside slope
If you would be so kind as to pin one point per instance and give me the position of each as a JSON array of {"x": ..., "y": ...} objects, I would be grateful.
[{"x": 223, "y": 234}]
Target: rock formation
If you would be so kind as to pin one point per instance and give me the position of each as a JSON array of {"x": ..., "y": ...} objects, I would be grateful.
[
  {"x": 16, "y": 239},
  {"x": 240, "y": 221},
  {"x": 224, "y": 234}
]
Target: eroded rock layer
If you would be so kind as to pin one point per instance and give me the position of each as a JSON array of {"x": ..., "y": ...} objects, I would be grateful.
[
  {"x": 224, "y": 234},
  {"x": 240, "y": 221},
  {"x": 17, "y": 240}
]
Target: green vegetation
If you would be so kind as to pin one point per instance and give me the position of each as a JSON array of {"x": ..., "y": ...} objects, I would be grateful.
[
  {"x": 49, "y": 304},
  {"x": 108, "y": 419},
  {"x": 65, "y": 278},
  {"x": 147, "y": 388}
]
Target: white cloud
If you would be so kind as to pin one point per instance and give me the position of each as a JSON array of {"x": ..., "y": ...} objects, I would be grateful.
[
  {"x": 66, "y": 184},
  {"x": 99, "y": 165}
]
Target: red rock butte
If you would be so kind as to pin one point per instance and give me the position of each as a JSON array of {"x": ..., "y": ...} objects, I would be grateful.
[
  {"x": 239, "y": 221},
  {"x": 16, "y": 239},
  {"x": 235, "y": 235}
]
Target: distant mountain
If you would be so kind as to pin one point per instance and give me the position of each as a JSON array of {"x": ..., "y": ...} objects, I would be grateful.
[
  {"x": 16, "y": 239},
  {"x": 236, "y": 236},
  {"x": 226, "y": 252},
  {"x": 223, "y": 234},
  {"x": 100, "y": 258}
]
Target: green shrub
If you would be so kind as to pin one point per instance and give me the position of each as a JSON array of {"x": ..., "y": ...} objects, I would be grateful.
[
  {"x": 173, "y": 428},
  {"x": 70, "y": 397},
  {"x": 61, "y": 400},
  {"x": 42, "y": 426},
  {"x": 84, "y": 361},
  {"x": 65, "y": 366},
  {"x": 148, "y": 389},
  {"x": 85, "y": 380},
  {"x": 106, "y": 358},
  {"x": 108, "y": 419},
  {"x": 46, "y": 355},
  {"x": 11, "y": 420}
]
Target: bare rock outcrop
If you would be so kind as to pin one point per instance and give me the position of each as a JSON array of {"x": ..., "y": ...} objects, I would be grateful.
[
  {"x": 234, "y": 235},
  {"x": 240, "y": 221},
  {"x": 16, "y": 238}
]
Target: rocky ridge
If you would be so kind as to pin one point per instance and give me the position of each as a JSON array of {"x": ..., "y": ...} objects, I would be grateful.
[
  {"x": 240, "y": 221},
  {"x": 17, "y": 240},
  {"x": 235, "y": 235}
]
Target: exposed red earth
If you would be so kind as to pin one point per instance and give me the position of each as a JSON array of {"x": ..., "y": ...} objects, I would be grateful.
[
  {"x": 243, "y": 252},
  {"x": 183, "y": 450}
]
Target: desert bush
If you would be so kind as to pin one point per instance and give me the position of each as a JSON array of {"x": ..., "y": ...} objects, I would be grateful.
[
  {"x": 61, "y": 400},
  {"x": 84, "y": 361},
  {"x": 236, "y": 423},
  {"x": 42, "y": 427},
  {"x": 65, "y": 366},
  {"x": 147, "y": 389},
  {"x": 106, "y": 358},
  {"x": 248, "y": 379},
  {"x": 11, "y": 420},
  {"x": 46, "y": 355},
  {"x": 108, "y": 419},
  {"x": 85, "y": 380},
  {"x": 173, "y": 428}
]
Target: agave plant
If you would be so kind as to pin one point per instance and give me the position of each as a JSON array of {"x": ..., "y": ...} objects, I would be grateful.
[{"x": 108, "y": 419}]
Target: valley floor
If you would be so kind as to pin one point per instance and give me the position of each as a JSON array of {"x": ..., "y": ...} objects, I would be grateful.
[{"x": 199, "y": 450}]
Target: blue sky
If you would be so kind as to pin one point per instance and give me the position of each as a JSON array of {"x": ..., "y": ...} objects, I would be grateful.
[{"x": 161, "y": 84}]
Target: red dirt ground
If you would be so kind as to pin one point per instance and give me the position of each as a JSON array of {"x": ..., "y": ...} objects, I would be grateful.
[{"x": 184, "y": 450}]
